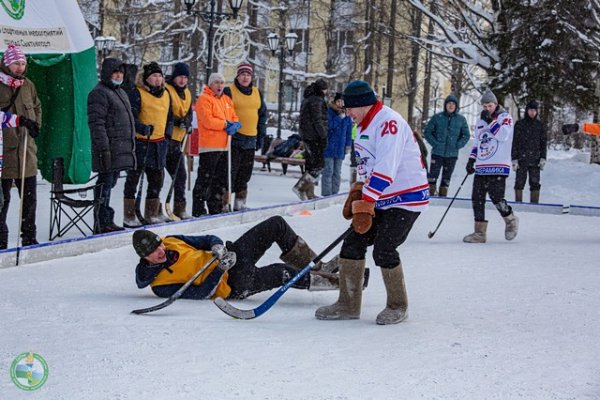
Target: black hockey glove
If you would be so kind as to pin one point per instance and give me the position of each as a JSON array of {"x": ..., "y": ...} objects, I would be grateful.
[
  {"x": 32, "y": 126},
  {"x": 471, "y": 166}
]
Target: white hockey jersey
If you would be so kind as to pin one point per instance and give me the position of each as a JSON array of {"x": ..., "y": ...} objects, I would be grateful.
[
  {"x": 492, "y": 145},
  {"x": 389, "y": 161}
]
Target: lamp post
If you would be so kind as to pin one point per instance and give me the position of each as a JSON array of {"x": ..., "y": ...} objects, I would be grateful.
[
  {"x": 274, "y": 45},
  {"x": 105, "y": 44},
  {"x": 210, "y": 17}
]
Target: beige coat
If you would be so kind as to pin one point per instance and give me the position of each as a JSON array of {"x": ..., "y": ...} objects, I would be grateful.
[{"x": 27, "y": 104}]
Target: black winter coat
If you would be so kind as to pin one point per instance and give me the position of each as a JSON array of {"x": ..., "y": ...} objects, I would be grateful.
[
  {"x": 111, "y": 122},
  {"x": 313, "y": 116},
  {"x": 529, "y": 141}
]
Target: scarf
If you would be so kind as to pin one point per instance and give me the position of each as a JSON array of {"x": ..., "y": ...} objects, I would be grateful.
[{"x": 11, "y": 82}]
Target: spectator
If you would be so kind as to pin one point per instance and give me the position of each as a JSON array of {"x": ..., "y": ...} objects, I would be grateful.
[
  {"x": 251, "y": 109},
  {"x": 313, "y": 130},
  {"x": 446, "y": 132},
  {"x": 19, "y": 96},
  {"x": 181, "y": 109},
  {"x": 490, "y": 162},
  {"x": 529, "y": 152},
  {"x": 150, "y": 105},
  {"x": 216, "y": 120},
  {"x": 112, "y": 129},
  {"x": 339, "y": 143}
]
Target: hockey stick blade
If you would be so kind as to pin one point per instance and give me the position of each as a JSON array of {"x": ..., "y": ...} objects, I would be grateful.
[
  {"x": 430, "y": 235},
  {"x": 177, "y": 294},
  {"x": 237, "y": 313},
  {"x": 169, "y": 212}
]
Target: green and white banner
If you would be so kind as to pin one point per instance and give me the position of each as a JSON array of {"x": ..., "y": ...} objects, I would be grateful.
[{"x": 62, "y": 64}]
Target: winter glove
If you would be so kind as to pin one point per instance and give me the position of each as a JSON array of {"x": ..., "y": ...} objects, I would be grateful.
[
  {"x": 354, "y": 194},
  {"x": 32, "y": 126},
  {"x": 486, "y": 116},
  {"x": 232, "y": 127},
  {"x": 515, "y": 165},
  {"x": 569, "y": 128},
  {"x": 219, "y": 251},
  {"x": 362, "y": 215},
  {"x": 147, "y": 130},
  {"x": 471, "y": 166},
  {"x": 105, "y": 162},
  {"x": 542, "y": 163},
  {"x": 228, "y": 261}
]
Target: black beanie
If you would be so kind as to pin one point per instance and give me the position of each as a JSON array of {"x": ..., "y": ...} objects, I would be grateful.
[
  {"x": 180, "y": 69},
  {"x": 532, "y": 105},
  {"x": 145, "y": 242},
  {"x": 151, "y": 68},
  {"x": 359, "y": 94}
]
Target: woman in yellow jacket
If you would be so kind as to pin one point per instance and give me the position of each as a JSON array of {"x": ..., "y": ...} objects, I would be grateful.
[
  {"x": 166, "y": 264},
  {"x": 216, "y": 120}
]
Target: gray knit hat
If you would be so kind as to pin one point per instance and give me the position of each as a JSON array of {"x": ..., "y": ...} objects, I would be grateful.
[
  {"x": 145, "y": 242},
  {"x": 488, "y": 97}
]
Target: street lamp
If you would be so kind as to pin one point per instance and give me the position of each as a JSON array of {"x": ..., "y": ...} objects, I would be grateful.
[
  {"x": 274, "y": 45},
  {"x": 105, "y": 44},
  {"x": 210, "y": 17}
]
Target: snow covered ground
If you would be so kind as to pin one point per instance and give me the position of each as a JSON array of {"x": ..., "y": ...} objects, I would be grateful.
[{"x": 502, "y": 320}]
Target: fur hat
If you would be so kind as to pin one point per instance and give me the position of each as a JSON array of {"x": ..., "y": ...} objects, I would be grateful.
[
  {"x": 145, "y": 242},
  {"x": 359, "y": 94},
  {"x": 488, "y": 97},
  {"x": 150, "y": 69},
  {"x": 13, "y": 54},
  {"x": 532, "y": 105},
  {"x": 180, "y": 69},
  {"x": 245, "y": 67}
]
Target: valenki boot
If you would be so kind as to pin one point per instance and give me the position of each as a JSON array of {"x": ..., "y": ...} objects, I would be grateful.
[
  {"x": 534, "y": 196},
  {"x": 396, "y": 308},
  {"x": 432, "y": 189},
  {"x": 518, "y": 196},
  {"x": 299, "y": 256},
  {"x": 479, "y": 236},
  {"x": 443, "y": 191},
  {"x": 130, "y": 220},
  {"x": 240, "y": 200},
  {"x": 151, "y": 209},
  {"x": 512, "y": 226},
  {"x": 350, "y": 298},
  {"x": 179, "y": 210}
]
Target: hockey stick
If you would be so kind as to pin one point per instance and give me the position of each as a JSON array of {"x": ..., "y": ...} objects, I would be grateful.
[
  {"x": 22, "y": 194},
  {"x": 230, "y": 197},
  {"x": 138, "y": 196},
  {"x": 168, "y": 209},
  {"x": 178, "y": 293},
  {"x": 270, "y": 302},
  {"x": 430, "y": 234}
]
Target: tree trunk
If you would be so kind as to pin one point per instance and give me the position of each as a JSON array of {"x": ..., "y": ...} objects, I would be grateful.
[{"x": 417, "y": 20}]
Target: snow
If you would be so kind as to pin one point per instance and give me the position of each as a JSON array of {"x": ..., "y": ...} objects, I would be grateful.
[{"x": 501, "y": 320}]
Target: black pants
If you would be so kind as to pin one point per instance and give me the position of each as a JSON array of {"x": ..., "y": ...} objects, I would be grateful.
[
  {"x": 313, "y": 150},
  {"x": 28, "y": 228},
  {"x": 242, "y": 162},
  {"x": 534, "y": 178},
  {"x": 155, "y": 181},
  {"x": 389, "y": 230},
  {"x": 211, "y": 181},
  {"x": 245, "y": 279},
  {"x": 175, "y": 158},
  {"x": 445, "y": 165},
  {"x": 494, "y": 186},
  {"x": 105, "y": 214}
]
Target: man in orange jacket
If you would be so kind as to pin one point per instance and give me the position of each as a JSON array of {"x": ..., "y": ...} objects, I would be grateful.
[{"x": 216, "y": 121}]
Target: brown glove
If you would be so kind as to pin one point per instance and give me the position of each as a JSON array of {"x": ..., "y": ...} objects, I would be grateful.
[
  {"x": 362, "y": 215},
  {"x": 354, "y": 194}
]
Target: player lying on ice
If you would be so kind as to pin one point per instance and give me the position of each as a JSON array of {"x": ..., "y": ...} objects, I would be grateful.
[{"x": 166, "y": 264}]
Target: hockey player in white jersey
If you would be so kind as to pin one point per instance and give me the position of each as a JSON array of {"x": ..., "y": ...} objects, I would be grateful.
[
  {"x": 490, "y": 161},
  {"x": 390, "y": 194}
]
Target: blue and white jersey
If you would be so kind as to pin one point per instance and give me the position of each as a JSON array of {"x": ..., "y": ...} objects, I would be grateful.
[
  {"x": 492, "y": 145},
  {"x": 389, "y": 161}
]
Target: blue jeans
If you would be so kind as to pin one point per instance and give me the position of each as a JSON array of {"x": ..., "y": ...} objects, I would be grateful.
[{"x": 331, "y": 176}]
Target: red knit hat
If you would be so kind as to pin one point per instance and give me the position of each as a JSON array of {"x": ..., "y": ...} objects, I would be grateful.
[
  {"x": 13, "y": 54},
  {"x": 244, "y": 68}
]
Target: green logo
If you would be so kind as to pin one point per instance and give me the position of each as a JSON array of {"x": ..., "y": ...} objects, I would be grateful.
[
  {"x": 29, "y": 371},
  {"x": 14, "y": 8}
]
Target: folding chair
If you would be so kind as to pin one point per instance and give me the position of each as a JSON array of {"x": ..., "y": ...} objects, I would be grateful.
[{"x": 67, "y": 212}]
